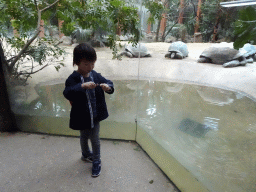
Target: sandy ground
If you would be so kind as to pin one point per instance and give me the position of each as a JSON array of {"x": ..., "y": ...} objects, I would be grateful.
[{"x": 160, "y": 68}]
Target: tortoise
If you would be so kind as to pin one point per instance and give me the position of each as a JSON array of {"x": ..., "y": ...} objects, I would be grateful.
[
  {"x": 139, "y": 50},
  {"x": 225, "y": 56},
  {"x": 177, "y": 50},
  {"x": 250, "y": 52}
]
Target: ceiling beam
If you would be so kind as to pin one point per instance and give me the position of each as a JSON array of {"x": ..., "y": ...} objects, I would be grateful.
[{"x": 238, "y": 3}]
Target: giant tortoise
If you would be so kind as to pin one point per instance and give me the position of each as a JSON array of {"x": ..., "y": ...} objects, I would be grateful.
[
  {"x": 177, "y": 50},
  {"x": 139, "y": 50},
  {"x": 250, "y": 52},
  {"x": 225, "y": 56}
]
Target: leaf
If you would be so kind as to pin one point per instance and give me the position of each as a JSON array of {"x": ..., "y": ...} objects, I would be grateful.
[
  {"x": 137, "y": 148},
  {"x": 57, "y": 68},
  {"x": 245, "y": 27},
  {"x": 151, "y": 181},
  {"x": 115, "y": 142}
]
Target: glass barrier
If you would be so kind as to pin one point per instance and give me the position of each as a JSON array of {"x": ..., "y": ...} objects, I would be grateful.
[
  {"x": 49, "y": 112},
  {"x": 210, "y": 131},
  {"x": 188, "y": 114},
  {"x": 42, "y": 104},
  {"x": 194, "y": 120}
]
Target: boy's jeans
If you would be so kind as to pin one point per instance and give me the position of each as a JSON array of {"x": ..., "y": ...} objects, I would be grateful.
[{"x": 93, "y": 135}]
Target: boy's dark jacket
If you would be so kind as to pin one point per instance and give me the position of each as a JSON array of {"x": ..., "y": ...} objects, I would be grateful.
[{"x": 80, "y": 118}]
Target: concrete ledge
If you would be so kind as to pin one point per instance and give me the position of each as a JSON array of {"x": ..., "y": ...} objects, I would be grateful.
[{"x": 59, "y": 126}]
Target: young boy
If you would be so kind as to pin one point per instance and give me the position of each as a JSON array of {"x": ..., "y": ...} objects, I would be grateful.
[{"x": 85, "y": 89}]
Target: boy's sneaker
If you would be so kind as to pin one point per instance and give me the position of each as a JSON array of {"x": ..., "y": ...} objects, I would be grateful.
[
  {"x": 96, "y": 168},
  {"x": 88, "y": 158}
]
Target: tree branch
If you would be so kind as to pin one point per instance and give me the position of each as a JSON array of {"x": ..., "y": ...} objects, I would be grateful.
[
  {"x": 24, "y": 49},
  {"x": 194, "y": 7},
  {"x": 33, "y": 38},
  {"x": 170, "y": 28},
  {"x": 36, "y": 5},
  {"x": 49, "y": 6},
  {"x": 34, "y": 71}
]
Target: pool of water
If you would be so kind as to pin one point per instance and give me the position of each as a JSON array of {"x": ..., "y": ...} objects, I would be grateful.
[{"x": 209, "y": 131}]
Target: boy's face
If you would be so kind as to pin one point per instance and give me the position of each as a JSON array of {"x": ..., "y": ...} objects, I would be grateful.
[{"x": 86, "y": 66}]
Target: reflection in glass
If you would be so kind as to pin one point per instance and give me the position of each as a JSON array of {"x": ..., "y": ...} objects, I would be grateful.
[
  {"x": 215, "y": 96},
  {"x": 210, "y": 131}
]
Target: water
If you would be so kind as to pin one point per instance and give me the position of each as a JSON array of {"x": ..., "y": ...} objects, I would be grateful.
[{"x": 210, "y": 131}]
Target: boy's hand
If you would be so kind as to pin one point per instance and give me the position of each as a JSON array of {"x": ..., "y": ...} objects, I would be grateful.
[
  {"x": 89, "y": 85},
  {"x": 105, "y": 87}
]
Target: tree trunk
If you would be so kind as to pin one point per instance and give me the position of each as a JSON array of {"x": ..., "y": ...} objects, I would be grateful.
[
  {"x": 167, "y": 4},
  {"x": 7, "y": 119},
  {"x": 215, "y": 29},
  {"x": 158, "y": 29},
  {"x": 60, "y": 22},
  {"x": 181, "y": 12},
  {"x": 198, "y": 16},
  {"x": 164, "y": 26},
  {"x": 41, "y": 34}
]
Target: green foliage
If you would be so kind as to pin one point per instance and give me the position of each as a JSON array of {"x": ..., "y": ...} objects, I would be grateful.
[
  {"x": 245, "y": 29},
  {"x": 42, "y": 53},
  {"x": 68, "y": 28},
  {"x": 173, "y": 28},
  {"x": 82, "y": 35},
  {"x": 107, "y": 15},
  {"x": 190, "y": 20},
  {"x": 21, "y": 12},
  {"x": 78, "y": 15},
  {"x": 104, "y": 16},
  {"x": 210, "y": 10},
  {"x": 156, "y": 9},
  {"x": 178, "y": 31},
  {"x": 215, "y": 15},
  {"x": 169, "y": 9},
  {"x": 25, "y": 54}
]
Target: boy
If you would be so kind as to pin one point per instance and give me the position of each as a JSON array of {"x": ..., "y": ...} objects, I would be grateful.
[{"x": 85, "y": 89}]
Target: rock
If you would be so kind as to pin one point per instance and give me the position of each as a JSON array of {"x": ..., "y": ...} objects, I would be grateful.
[{"x": 66, "y": 40}]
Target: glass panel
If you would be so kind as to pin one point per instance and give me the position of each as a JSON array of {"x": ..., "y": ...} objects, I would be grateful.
[
  {"x": 210, "y": 131},
  {"x": 190, "y": 120},
  {"x": 41, "y": 107}
]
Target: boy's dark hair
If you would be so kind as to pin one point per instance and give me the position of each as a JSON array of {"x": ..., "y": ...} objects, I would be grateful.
[{"x": 84, "y": 51}]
